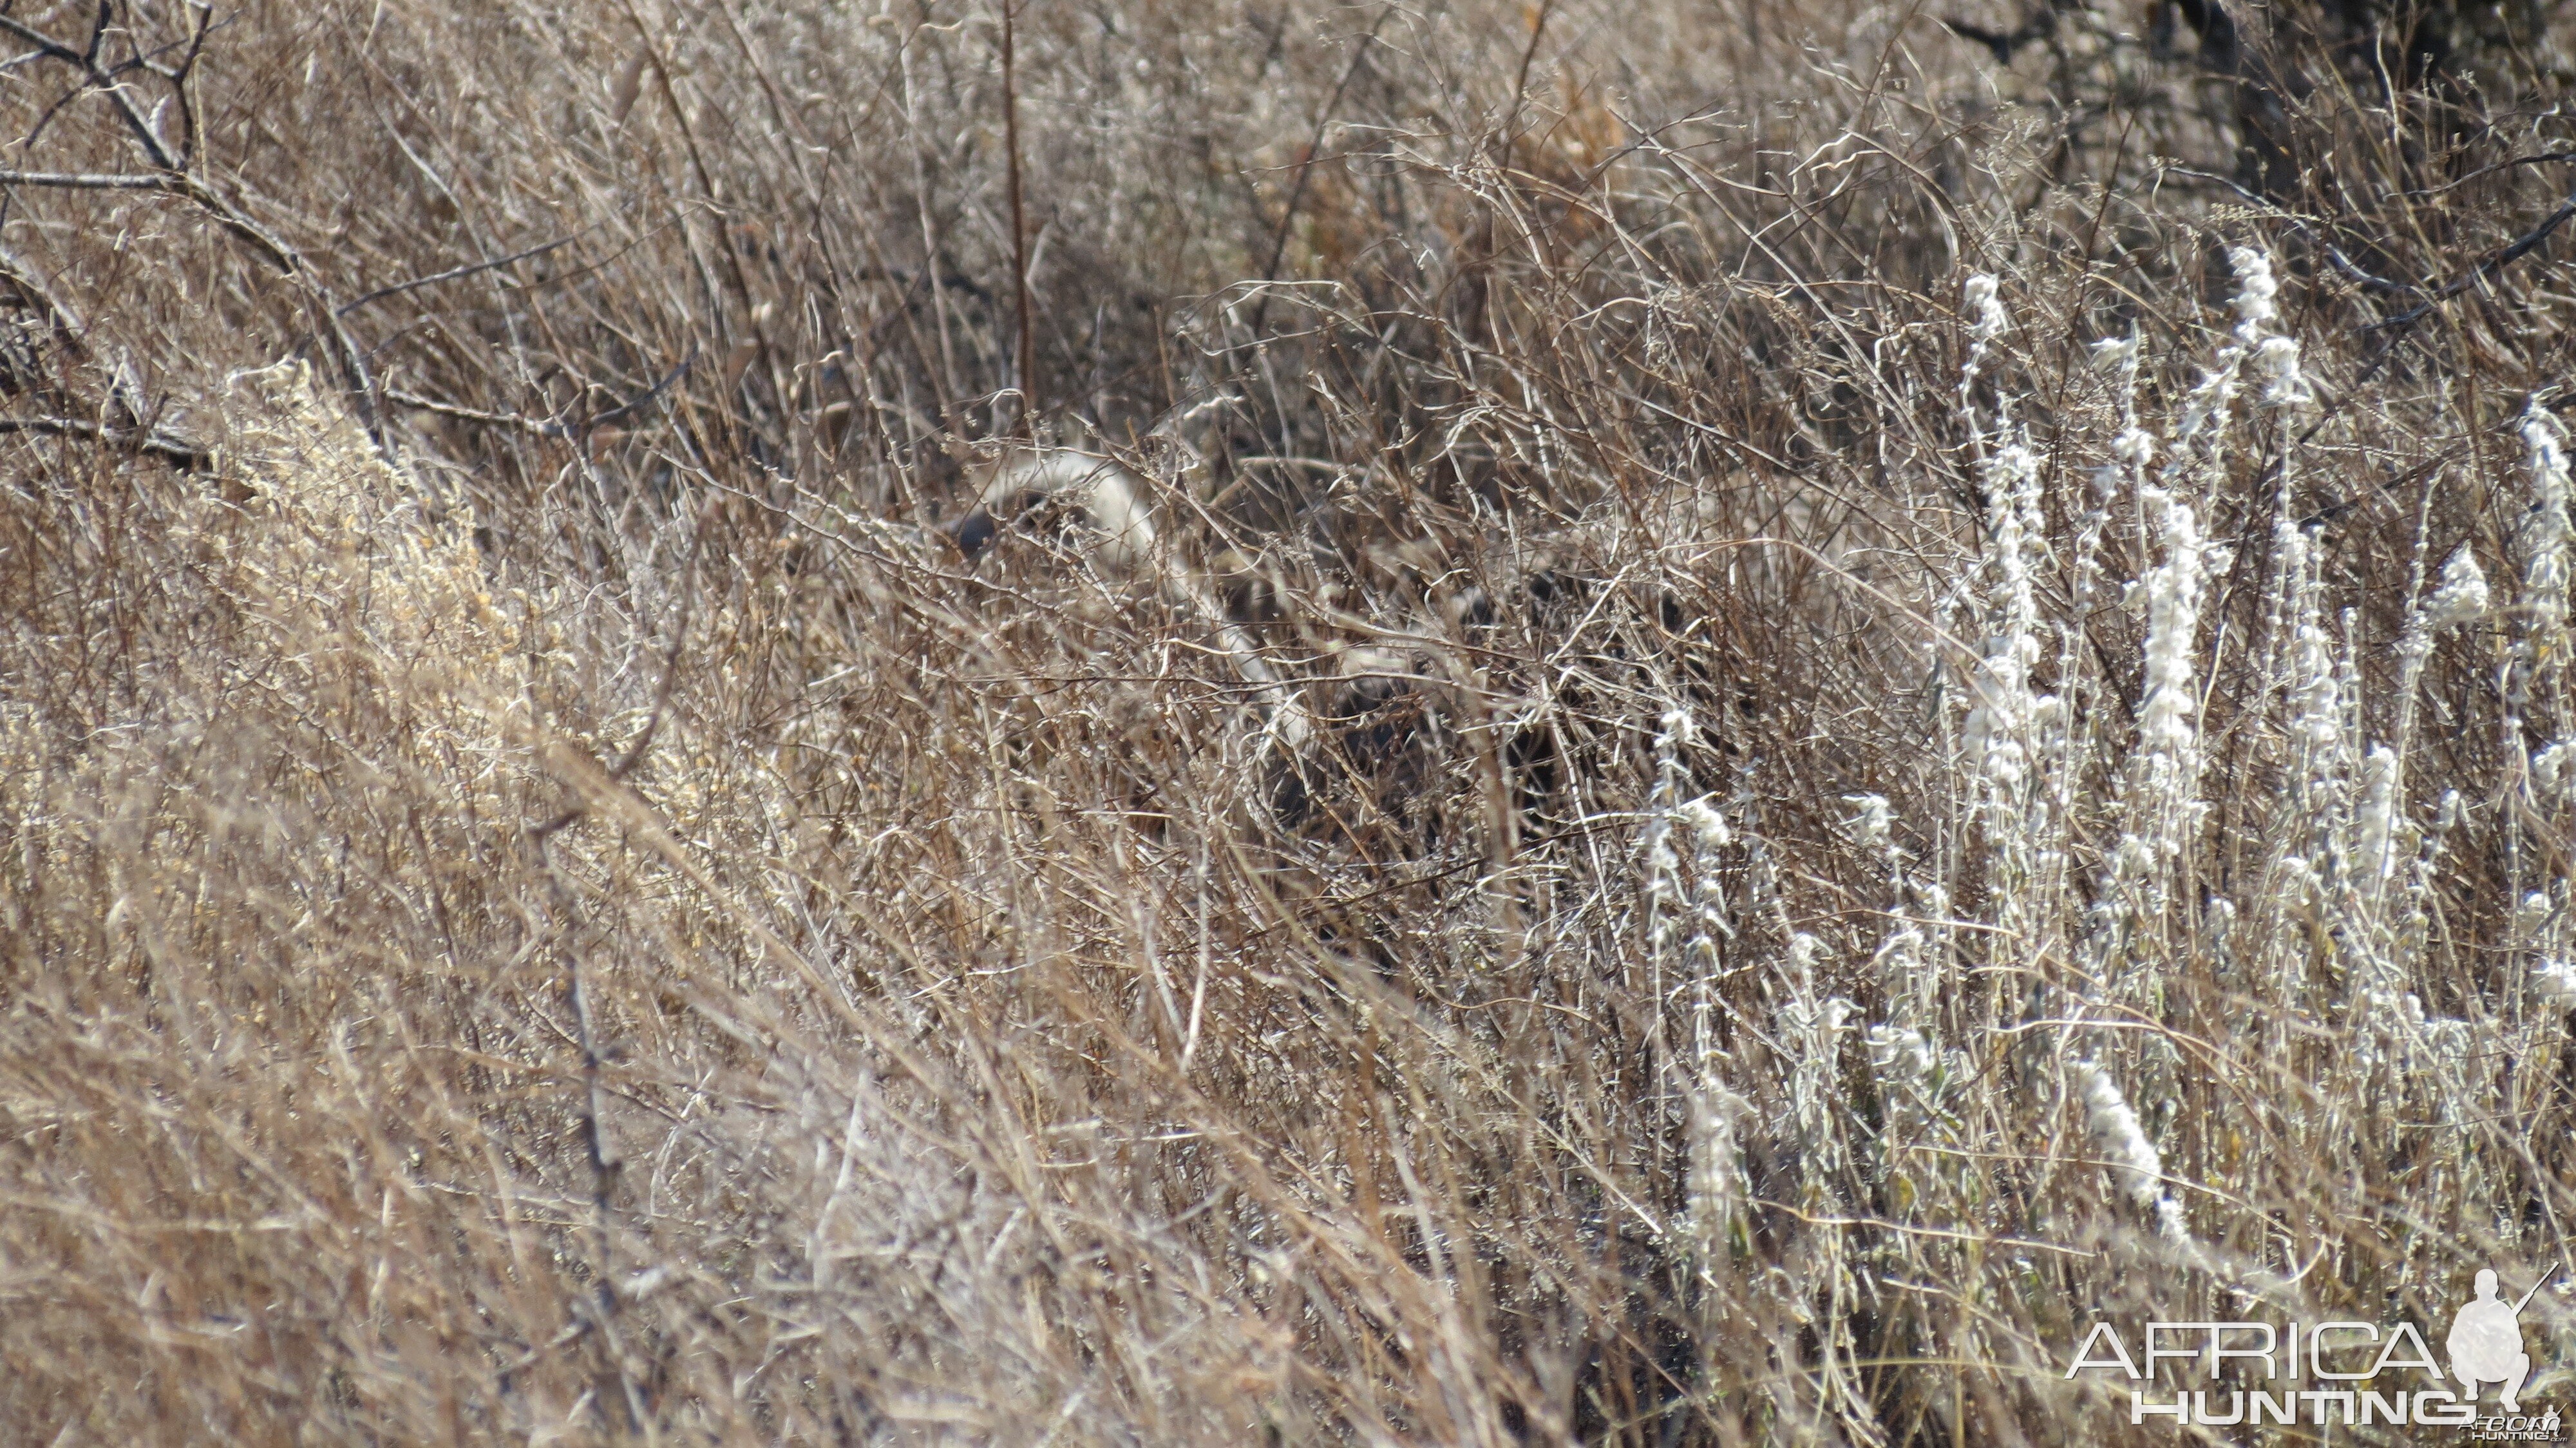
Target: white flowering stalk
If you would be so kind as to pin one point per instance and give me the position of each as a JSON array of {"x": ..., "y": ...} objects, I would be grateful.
[
  {"x": 1908, "y": 990},
  {"x": 1997, "y": 734},
  {"x": 1986, "y": 321},
  {"x": 1663, "y": 866},
  {"x": 1713, "y": 1185},
  {"x": 2012, "y": 733},
  {"x": 2390, "y": 917},
  {"x": 2161, "y": 795},
  {"x": 1709, "y": 836},
  {"x": 2316, "y": 705},
  {"x": 2460, "y": 597},
  {"x": 2132, "y": 447},
  {"x": 2207, "y": 407},
  {"x": 2413, "y": 918},
  {"x": 2535, "y": 684},
  {"x": 1901, "y": 1060},
  {"x": 2134, "y": 1160},
  {"x": 1712, "y": 1175},
  {"x": 1906, "y": 984},
  {"x": 2168, "y": 723},
  {"x": 2546, "y": 534},
  {"x": 2376, "y": 823},
  {"x": 1813, "y": 1031},
  {"x": 2003, "y": 734},
  {"x": 2255, "y": 289}
]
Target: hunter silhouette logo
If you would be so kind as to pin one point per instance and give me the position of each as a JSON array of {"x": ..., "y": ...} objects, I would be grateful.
[{"x": 2486, "y": 1342}]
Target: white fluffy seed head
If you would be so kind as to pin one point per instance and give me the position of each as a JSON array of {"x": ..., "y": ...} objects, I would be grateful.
[
  {"x": 1708, "y": 827},
  {"x": 2554, "y": 982},
  {"x": 2277, "y": 359},
  {"x": 1870, "y": 827},
  {"x": 1986, "y": 317},
  {"x": 2553, "y": 770},
  {"x": 2172, "y": 596},
  {"x": 2547, "y": 534},
  {"x": 2375, "y": 831},
  {"x": 1899, "y": 1056},
  {"x": 2462, "y": 595},
  {"x": 2255, "y": 286},
  {"x": 2118, "y": 1136}
]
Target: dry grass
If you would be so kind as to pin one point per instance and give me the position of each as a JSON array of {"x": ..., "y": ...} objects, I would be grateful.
[{"x": 540, "y": 898}]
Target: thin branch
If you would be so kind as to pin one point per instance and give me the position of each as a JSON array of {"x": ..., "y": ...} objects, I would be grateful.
[
  {"x": 432, "y": 405},
  {"x": 1305, "y": 168},
  {"x": 2545, "y": 158},
  {"x": 67, "y": 323},
  {"x": 94, "y": 181},
  {"x": 2352, "y": 269},
  {"x": 456, "y": 273},
  {"x": 2522, "y": 246},
  {"x": 1025, "y": 318},
  {"x": 648, "y": 396},
  {"x": 107, "y": 84},
  {"x": 178, "y": 179},
  {"x": 187, "y": 457},
  {"x": 541, "y": 426},
  {"x": 1520, "y": 78}
]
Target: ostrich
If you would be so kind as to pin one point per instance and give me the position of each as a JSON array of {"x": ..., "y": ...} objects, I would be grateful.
[
  {"x": 1116, "y": 521},
  {"x": 1373, "y": 706}
]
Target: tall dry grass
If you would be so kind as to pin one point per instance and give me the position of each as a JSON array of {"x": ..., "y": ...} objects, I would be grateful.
[{"x": 1939, "y": 709}]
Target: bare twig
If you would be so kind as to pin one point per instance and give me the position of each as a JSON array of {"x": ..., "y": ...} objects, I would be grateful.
[
  {"x": 2545, "y": 158},
  {"x": 173, "y": 174},
  {"x": 1305, "y": 168},
  {"x": 95, "y": 181},
  {"x": 418, "y": 403},
  {"x": 643, "y": 399},
  {"x": 2522, "y": 246},
  {"x": 662, "y": 695},
  {"x": 185, "y": 456},
  {"x": 540, "y": 426},
  {"x": 1023, "y": 318},
  {"x": 455, "y": 274},
  {"x": 59, "y": 314}
]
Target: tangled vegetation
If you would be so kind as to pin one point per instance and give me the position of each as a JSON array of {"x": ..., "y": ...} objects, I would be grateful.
[{"x": 1793, "y": 701}]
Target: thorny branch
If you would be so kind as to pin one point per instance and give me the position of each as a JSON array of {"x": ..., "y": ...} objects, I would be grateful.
[
  {"x": 174, "y": 171},
  {"x": 186, "y": 456}
]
